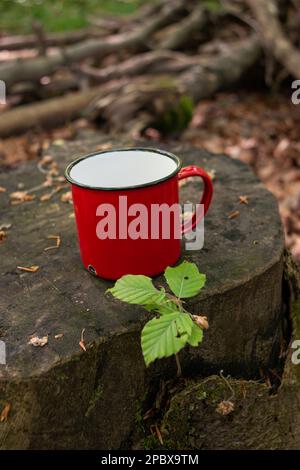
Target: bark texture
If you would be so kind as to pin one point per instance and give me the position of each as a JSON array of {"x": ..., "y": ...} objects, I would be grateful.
[{"x": 63, "y": 397}]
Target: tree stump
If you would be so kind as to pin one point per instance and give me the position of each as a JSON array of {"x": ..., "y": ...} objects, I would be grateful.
[
  {"x": 62, "y": 397},
  {"x": 216, "y": 413}
]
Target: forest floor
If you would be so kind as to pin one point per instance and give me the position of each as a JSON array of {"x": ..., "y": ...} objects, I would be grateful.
[
  {"x": 16, "y": 16},
  {"x": 255, "y": 127}
]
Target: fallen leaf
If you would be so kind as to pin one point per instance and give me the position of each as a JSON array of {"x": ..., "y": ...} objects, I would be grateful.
[
  {"x": 60, "y": 179},
  {"x": 45, "y": 197},
  {"x": 59, "y": 142},
  {"x": 57, "y": 245},
  {"x": 59, "y": 336},
  {"x": 66, "y": 197},
  {"x": 48, "y": 196},
  {"x": 187, "y": 215},
  {"x": 152, "y": 134},
  {"x": 46, "y": 160},
  {"x": 225, "y": 407},
  {"x": 265, "y": 378},
  {"x": 38, "y": 342},
  {"x": 5, "y": 226},
  {"x": 106, "y": 146},
  {"x": 2, "y": 190},
  {"x": 212, "y": 174},
  {"x": 53, "y": 169},
  {"x": 30, "y": 269},
  {"x": 45, "y": 145},
  {"x": 233, "y": 214},
  {"x": 155, "y": 430},
  {"x": 243, "y": 200},
  {"x": 281, "y": 148},
  {"x": 185, "y": 181},
  {"x": 81, "y": 342},
  {"x": 201, "y": 321},
  {"x": 5, "y": 413},
  {"x": 18, "y": 197},
  {"x": 2, "y": 235}
]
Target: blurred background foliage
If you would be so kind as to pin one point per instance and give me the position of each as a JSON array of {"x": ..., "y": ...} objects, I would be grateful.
[{"x": 16, "y": 16}]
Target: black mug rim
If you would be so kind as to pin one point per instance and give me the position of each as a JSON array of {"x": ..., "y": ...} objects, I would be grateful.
[{"x": 123, "y": 149}]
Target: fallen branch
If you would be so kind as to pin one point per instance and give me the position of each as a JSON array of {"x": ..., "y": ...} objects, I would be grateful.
[
  {"x": 34, "y": 69},
  {"x": 272, "y": 33},
  {"x": 46, "y": 113},
  {"x": 14, "y": 43},
  {"x": 223, "y": 71},
  {"x": 195, "y": 22},
  {"x": 133, "y": 103},
  {"x": 148, "y": 62},
  {"x": 40, "y": 38}
]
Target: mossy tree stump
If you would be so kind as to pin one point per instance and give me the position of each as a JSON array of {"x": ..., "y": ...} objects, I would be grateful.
[{"x": 63, "y": 397}]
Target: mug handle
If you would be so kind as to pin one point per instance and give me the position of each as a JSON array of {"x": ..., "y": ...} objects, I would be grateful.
[{"x": 193, "y": 170}]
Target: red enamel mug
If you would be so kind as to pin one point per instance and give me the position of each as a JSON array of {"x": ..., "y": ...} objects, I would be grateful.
[{"x": 115, "y": 194}]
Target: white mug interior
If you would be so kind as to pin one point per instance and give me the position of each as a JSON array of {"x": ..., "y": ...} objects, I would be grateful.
[{"x": 123, "y": 168}]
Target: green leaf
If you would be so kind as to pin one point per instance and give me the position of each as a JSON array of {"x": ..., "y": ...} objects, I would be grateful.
[
  {"x": 196, "y": 335},
  {"x": 184, "y": 324},
  {"x": 185, "y": 279},
  {"x": 136, "y": 290},
  {"x": 166, "y": 308},
  {"x": 160, "y": 337}
]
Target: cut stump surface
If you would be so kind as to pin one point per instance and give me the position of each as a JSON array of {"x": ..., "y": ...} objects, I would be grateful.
[{"x": 64, "y": 397}]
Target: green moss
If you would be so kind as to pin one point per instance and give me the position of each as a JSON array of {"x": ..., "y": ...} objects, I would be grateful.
[
  {"x": 295, "y": 314},
  {"x": 93, "y": 400},
  {"x": 213, "y": 5},
  {"x": 151, "y": 442},
  {"x": 295, "y": 317},
  {"x": 139, "y": 421},
  {"x": 176, "y": 118}
]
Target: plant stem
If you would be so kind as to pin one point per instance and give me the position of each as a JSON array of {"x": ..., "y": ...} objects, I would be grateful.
[
  {"x": 228, "y": 385},
  {"x": 179, "y": 371}
]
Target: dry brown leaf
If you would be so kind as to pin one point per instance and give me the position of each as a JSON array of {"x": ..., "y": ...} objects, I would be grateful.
[
  {"x": 212, "y": 174},
  {"x": 185, "y": 181},
  {"x": 225, "y": 407},
  {"x": 233, "y": 214},
  {"x": 81, "y": 342},
  {"x": 5, "y": 226},
  {"x": 2, "y": 190},
  {"x": 46, "y": 160},
  {"x": 187, "y": 215},
  {"x": 106, "y": 146},
  {"x": 244, "y": 200},
  {"x": 2, "y": 235},
  {"x": 59, "y": 336},
  {"x": 60, "y": 179},
  {"x": 18, "y": 197},
  {"x": 5, "y": 412},
  {"x": 45, "y": 197},
  {"x": 38, "y": 342},
  {"x": 53, "y": 169},
  {"x": 57, "y": 245},
  {"x": 30, "y": 269},
  {"x": 156, "y": 431},
  {"x": 201, "y": 321},
  {"x": 281, "y": 148},
  {"x": 66, "y": 197},
  {"x": 59, "y": 142},
  {"x": 48, "y": 196}
]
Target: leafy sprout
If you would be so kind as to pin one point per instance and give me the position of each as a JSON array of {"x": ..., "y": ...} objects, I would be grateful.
[{"x": 173, "y": 327}]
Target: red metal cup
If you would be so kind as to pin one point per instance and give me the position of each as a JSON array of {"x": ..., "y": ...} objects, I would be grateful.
[{"x": 145, "y": 176}]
